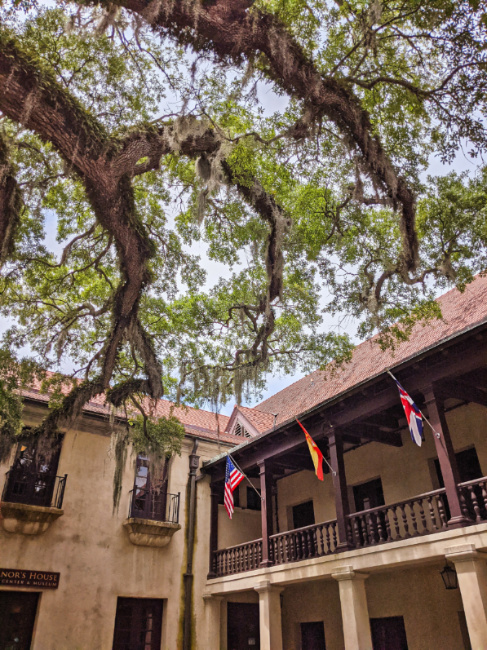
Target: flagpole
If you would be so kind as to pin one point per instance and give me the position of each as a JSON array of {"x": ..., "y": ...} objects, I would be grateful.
[
  {"x": 246, "y": 477},
  {"x": 438, "y": 435}
]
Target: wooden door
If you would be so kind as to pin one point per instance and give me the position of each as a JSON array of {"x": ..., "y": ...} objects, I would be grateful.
[
  {"x": 17, "y": 615},
  {"x": 313, "y": 636},
  {"x": 243, "y": 626},
  {"x": 388, "y": 633},
  {"x": 138, "y": 624},
  {"x": 303, "y": 515}
]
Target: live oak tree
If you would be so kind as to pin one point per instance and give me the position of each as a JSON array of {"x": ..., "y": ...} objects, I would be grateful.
[{"x": 139, "y": 129}]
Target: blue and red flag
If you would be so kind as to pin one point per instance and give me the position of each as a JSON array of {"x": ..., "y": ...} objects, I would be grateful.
[
  {"x": 413, "y": 415},
  {"x": 233, "y": 477}
]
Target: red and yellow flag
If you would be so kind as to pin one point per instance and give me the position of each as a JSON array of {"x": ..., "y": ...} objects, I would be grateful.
[{"x": 316, "y": 455}]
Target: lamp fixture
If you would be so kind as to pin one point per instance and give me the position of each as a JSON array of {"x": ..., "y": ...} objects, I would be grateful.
[{"x": 449, "y": 577}]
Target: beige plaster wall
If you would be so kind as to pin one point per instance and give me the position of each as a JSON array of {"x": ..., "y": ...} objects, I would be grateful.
[
  {"x": 430, "y": 611},
  {"x": 310, "y": 602},
  {"x": 89, "y": 547}
]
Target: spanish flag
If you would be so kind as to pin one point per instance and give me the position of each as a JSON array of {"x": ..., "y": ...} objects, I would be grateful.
[{"x": 316, "y": 455}]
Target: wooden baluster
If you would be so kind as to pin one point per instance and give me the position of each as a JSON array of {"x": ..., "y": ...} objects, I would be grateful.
[
  {"x": 405, "y": 520},
  {"x": 388, "y": 525},
  {"x": 432, "y": 513},
  {"x": 327, "y": 539},
  {"x": 464, "y": 502},
  {"x": 371, "y": 527},
  {"x": 356, "y": 531},
  {"x": 441, "y": 511},
  {"x": 349, "y": 533},
  {"x": 413, "y": 518},
  {"x": 475, "y": 503},
  {"x": 380, "y": 525},
  {"x": 287, "y": 550},
  {"x": 396, "y": 523},
  {"x": 484, "y": 497},
  {"x": 301, "y": 554},
  {"x": 323, "y": 551},
  {"x": 334, "y": 531},
  {"x": 422, "y": 514},
  {"x": 363, "y": 530}
]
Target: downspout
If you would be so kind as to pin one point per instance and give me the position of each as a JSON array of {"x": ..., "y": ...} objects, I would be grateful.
[{"x": 188, "y": 576}]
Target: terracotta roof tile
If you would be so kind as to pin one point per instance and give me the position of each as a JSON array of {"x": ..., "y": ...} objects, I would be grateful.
[
  {"x": 261, "y": 420},
  {"x": 461, "y": 311},
  {"x": 196, "y": 421}
]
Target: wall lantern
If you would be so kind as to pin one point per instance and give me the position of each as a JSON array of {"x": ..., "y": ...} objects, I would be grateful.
[{"x": 449, "y": 577}]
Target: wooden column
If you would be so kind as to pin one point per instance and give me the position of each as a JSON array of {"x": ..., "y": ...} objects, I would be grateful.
[
  {"x": 335, "y": 445},
  {"x": 266, "y": 512},
  {"x": 214, "y": 495},
  {"x": 446, "y": 457}
]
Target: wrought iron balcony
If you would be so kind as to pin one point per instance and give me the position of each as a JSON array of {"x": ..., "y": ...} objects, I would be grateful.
[
  {"x": 34, "y": 488},
  {"x": 154, "y": 504}
]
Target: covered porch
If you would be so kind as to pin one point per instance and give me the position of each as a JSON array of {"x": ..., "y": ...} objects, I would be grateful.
[{"x": 382, "y": 497}]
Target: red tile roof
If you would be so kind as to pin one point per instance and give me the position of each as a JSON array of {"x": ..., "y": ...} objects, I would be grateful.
[
  {"x": 196, "y": 421},
  {"x": 259, "y": 420},
  {"x": 460, "y": 311}
]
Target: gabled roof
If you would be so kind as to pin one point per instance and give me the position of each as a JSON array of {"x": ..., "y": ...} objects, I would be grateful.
[
  {"x": 461, "y": 312},
  {"x": 253, "y": 420}
]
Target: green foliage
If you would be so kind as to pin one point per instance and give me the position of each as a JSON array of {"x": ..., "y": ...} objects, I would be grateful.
[
  {"x": 418, "y": 70},
  {"x": 159, "y": 438}
]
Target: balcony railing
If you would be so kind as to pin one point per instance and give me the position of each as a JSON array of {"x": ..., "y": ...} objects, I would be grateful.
[
  {"x": 304, "y": 543},
  {"x": 154, "y": 504},
  {"x": 421, "y": 515},
  {"x": 34, "y": 488},
  {"x": 236, "y": 559}
]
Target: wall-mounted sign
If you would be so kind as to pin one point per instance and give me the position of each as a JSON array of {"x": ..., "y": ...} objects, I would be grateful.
[{"x": 28, "y": 578}]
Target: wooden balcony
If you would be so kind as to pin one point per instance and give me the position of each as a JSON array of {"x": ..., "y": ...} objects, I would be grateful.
[{"x": 423, "y": 514}]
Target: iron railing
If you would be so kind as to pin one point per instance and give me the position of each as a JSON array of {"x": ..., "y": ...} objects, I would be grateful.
[
  {"x": 154, "y": 504},
  {"x": 34, "y": 488}
]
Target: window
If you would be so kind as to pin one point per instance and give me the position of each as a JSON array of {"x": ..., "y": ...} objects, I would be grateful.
[
  {"x": 138, "y": 624},
  {"x": 32, "y": 477},
  {"x": 149, "y": 498},
  {"x": 254, "y": 501}
]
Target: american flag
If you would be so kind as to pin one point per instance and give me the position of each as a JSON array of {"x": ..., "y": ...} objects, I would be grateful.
[
  {"x": 233, "y": 477},
  {"x": 413, "y": 415}
]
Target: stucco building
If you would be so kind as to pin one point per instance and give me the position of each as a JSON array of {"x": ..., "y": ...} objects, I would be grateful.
[{"x": 354, "y": 562}]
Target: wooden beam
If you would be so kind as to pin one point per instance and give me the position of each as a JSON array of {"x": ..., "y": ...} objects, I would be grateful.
[
  {"x": 461, "y": 390},
  {"x": 374, "y": 435}
]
